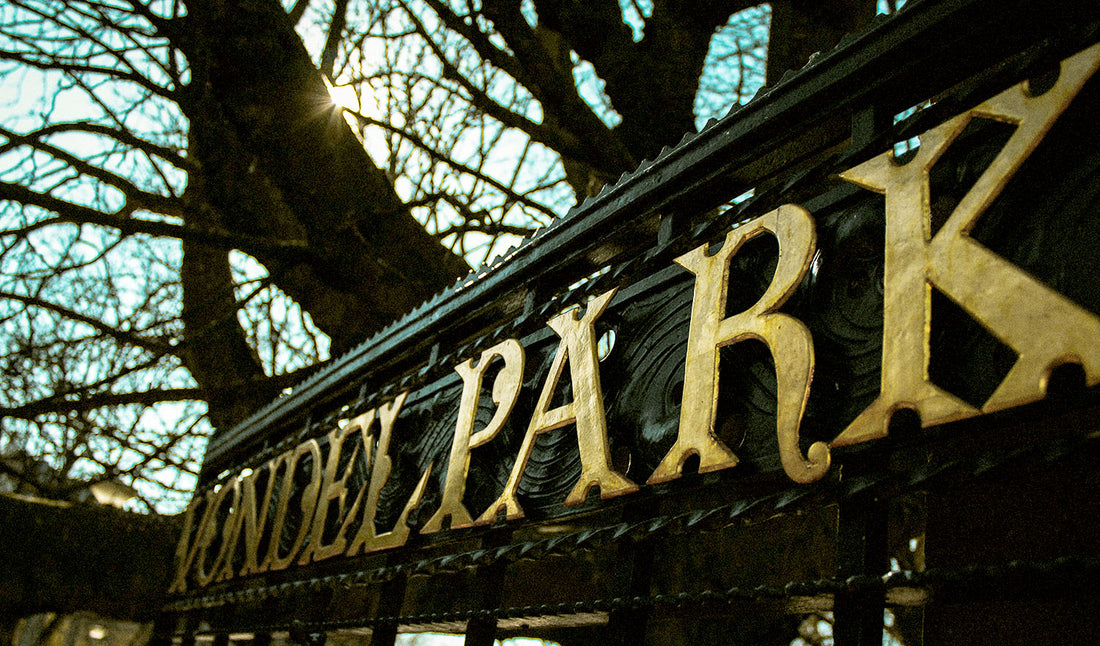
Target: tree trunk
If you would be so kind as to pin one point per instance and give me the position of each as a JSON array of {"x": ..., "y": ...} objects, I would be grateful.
[
  {"x": 802, "y": 28},
  {"x": 280, "y": 162}
]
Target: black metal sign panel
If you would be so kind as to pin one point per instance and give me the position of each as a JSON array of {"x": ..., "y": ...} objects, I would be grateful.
[{"x": 668, "y": 344}]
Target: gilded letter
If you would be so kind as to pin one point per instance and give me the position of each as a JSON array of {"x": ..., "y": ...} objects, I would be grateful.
[
  {"x": 578, "y": 346},
  {"x": 331, "y": 490},
  {"x": 506, "y": 389},
  {"x": 1043, "y": 327},
  {"x": 274, "y": 562},
  {"x": 256, "y": 518},
  {"x": 231, "y": 531},
  {"x": 786, "y": 337},
  {"x": 208, "y": 531},
  {"x": 188, "y": 544},
  {"x": 367, "y": 539}
]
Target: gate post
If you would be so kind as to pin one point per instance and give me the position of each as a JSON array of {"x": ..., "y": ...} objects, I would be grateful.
[
  {"x": 861, "y": 556},
  {"x": 391, "y": 598}
]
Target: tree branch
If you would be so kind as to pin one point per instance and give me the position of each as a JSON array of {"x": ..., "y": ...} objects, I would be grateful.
[
  {"x": 546, "y": 54},
  {"x": 279, "y": 160},
  {"x": 149, "y": 201},
  {"x": 595, "y": 30},
  {"x": 335, "y": 34},
  {"x": 415, "y": 140},
  {"x": 488, "y": 228},
  {"x": 484, "y": 47},
  {"x": 297, "y": 11},
  {"x": 70, "y": 213},
  {"x": 556, "y": 138},
  {"x": 75, "y": 68},
  {"x": 120, "y": 135},
  {"x": 131, "y": 338},
  {"x": 60, "y": 404}
]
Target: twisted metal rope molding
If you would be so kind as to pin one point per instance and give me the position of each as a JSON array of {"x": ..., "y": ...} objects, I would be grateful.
[
  {"x": 994, "y": 579},
  {"x": 713, "y": 519}
]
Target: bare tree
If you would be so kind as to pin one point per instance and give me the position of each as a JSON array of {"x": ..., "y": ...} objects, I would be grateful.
[
  {"x": 189, "y": 223},
  {"x": 128, "y": 192}
]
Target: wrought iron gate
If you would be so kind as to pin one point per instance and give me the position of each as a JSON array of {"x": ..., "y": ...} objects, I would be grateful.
[{"x": 796, "y": 364}]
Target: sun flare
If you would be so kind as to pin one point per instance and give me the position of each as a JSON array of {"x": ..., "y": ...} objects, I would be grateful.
[{"x": 344, "y": 96}]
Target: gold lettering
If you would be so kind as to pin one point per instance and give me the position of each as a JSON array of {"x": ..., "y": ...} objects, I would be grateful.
[
  {"x": 361, "y": 423},
  {"x": 331, "y": 490},
  {"x": 578, "y": 346},
  {"x": 255, "y": 519},
  {"x": 188, "y": 545},
  {"x": 231, "y": 530},
  {"x": 207, "y": 532},
  {"x": 367, "y": 539},
  {"x": 786, "y": 337},
  {"x": 506, "y": 389},
  {"x": 273, "y": 561},
  {"x": 1043, "y": 327}
]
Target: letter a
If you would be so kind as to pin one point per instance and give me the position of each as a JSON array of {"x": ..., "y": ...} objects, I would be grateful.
[{"x": 578, "y": 346}]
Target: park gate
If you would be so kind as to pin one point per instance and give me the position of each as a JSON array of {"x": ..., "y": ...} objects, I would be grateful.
[{"x": 833, "y": 357}]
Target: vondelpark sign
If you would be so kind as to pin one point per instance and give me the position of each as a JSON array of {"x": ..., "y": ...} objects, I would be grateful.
[{"x": 240, "y": 527}]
